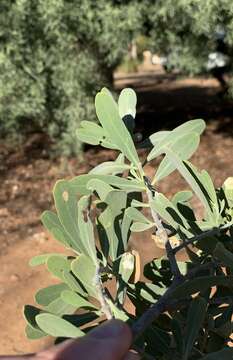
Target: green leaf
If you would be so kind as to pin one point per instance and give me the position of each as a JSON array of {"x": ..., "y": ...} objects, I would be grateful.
[
  {"x": 125, "y": 229},
  {"x": 100, "y": 187},
  {"x": 66, "y": 206},
  {"x": 47, "y": 295},
  {"x": 197, "y": 126},
  {"x": 224, "y": 354},
  {"x": 138, "y": 226},
  {"x": 74, "y": 299},
  {"x": 60, "y": 307},
  {"x": 193, "y": 178},
  {"x": 224, "y": 255},
  {"x": 117, "y": 313},
  {"x": 117, "y": 200},
  {"x": 52, "y": 223},
  {"x": 184, "y": 147},
  {"x": 176, "y": 138},
  {"x": 127, "y": 103},
  {"x": 57, "y": 327},
  {"x": 136, "y": 215},
  {"x": 56, "y": 264},
  {"x": 86, "y": 229},
  {"x": 41, "y": 259},
  {"x": 110, "y": 168},
  {"x": 73, "y": 283},
  {"x": 182, "y": 197},
  {"x": 85, "y": 270},
  {"x": 79, "y": 183},
  {"x": 158, "y": 137},
  {"x": 108, "y": 115},
  {"x": 197, "y": 311},
  {"x": 126, "y": 266},
  {"x": 82, "y": 319},
  {"x": 167, "y": 211},
  {"x": 108, "y": 221},
  {"x": 178, "y": 336},
  {"x": 30, "y": 313},
  {"x": 92, "y": 133},
  {"x": 34, "y": 334}
]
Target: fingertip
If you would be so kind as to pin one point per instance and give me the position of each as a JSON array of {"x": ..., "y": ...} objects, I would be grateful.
[{"x": 114, "y": 329}]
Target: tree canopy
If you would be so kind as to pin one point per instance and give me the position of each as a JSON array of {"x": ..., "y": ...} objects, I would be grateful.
[{"x": 55, "y": 55}]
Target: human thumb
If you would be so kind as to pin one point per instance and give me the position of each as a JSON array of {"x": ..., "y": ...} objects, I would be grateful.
[{"x": 109, "y": 341}]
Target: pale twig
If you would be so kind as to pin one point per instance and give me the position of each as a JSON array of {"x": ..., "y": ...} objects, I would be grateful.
[
  {"x": 97, "y": 282},
  {"x": 161, "y": 232}
]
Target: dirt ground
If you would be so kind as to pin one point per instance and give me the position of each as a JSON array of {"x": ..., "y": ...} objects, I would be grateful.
[{"x": 27, "y": 177}]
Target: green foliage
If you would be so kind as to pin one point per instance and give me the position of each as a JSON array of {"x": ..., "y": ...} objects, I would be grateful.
[
  {"x": 183, "y": 309},
  {"x": 185, "y": 30},
  {"x": 53, "y": 58}
]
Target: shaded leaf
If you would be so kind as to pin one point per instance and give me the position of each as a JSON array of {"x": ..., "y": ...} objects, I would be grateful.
[
  {"x": 201, "y": 284},
  {"x": 34, "y": 334},
  {"x": 224, "y": 255},
  {"x": 224, "y": 354},
  {"x": 197, "y": 311}
]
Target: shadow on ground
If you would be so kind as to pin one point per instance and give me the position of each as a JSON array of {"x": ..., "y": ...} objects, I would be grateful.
[{"x": 167, "y": 100}]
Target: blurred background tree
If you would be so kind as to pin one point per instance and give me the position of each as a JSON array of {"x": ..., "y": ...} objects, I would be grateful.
[
  {"x": 55, "y": 55},
  {"x": 187, "y": 31}
]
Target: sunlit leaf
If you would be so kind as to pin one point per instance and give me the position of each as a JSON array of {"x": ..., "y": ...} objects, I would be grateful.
[
  {"x": 85, "y": 270},
  {"x": 138, "y": 226},
  {"x": 108, "y": 115},
  {"x": 110, "y": 168},
  {"x": 55, "y": 326},
  {"x": 57, "y": 264},
  {"x": 127, "y": 102},
  {"x": 91, "y": 133},
  {"x": 184, "y": 147},
  {"x": 79, "y": 183},
  {"x": 86, "y": 229},
  {"x": 47, "y": 295},
  {"x": 52, "y": 223},
  {"x": 67, "y": 209},
  {"x": 74, "y": 299}
]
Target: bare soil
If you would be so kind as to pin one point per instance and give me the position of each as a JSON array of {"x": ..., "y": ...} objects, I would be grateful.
[{"x": 27, "y": 177}]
